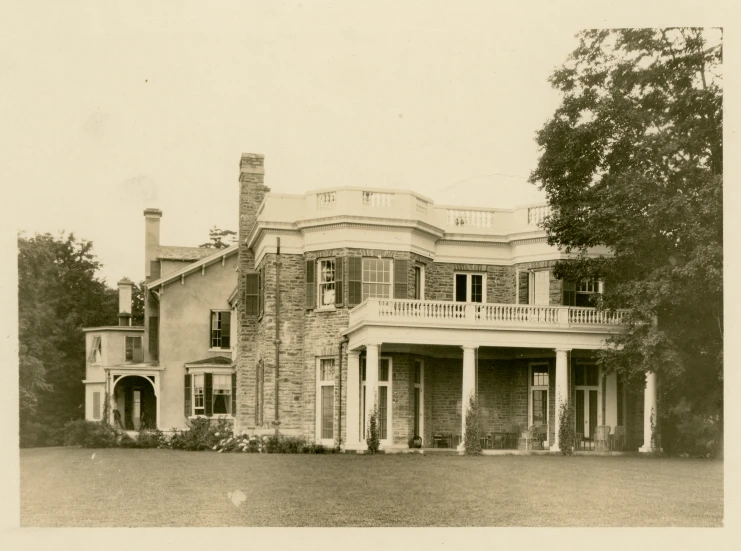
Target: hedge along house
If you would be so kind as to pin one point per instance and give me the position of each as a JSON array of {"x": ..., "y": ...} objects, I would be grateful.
[
  {"x": 180, "y": 364},
  {"x": 358, "y": 298}
]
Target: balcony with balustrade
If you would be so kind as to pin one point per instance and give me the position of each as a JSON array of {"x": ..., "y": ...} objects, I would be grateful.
[{"x": 447, "y": 322}]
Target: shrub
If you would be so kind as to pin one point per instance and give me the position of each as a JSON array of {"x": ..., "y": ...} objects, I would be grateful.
[
  {"x": 686, "y": 433},
  {"x": 472, "y": 438},
  {"x": 373, "y": 439},
  {"x": 566, "y": 430},
  {"x": 202, "y": 435},
  {"x": 151, "y": 438},
  {"x": 89, "y": 434}
]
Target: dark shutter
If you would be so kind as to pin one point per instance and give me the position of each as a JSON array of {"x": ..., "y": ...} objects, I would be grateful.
[
  {"x": 261, "y": 291},
  {"x": 354, "y": 280},
  {"x": 339, "y": 281},
  {"x": 188, "y": 409},
  {"x": 226, "y": 318},
  {"x": 234, "y": 394},
  {"x": 569, "y": 293},
  {"x": 524, "y": 287},
  {"x": 208, "y": 393},
  {"x": 310, "y": 285},
  {"x": 154, "y": 337},
  {"x": 401, "y": 278},
  {"x": 155, "y": 269},
  {"x": 250, "y": 294}
]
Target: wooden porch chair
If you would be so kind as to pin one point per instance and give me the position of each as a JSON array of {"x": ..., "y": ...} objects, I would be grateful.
[
  {"x": 601, "y": 438},
  {"x": 578, "y": 437},
  {"x": 533, "y": 438},
  {"x": 499, "y": 440},
  {"x": 442, "y": 440},
  {"x": 618, "y": 439},
  {"x": 513, "y": 436}
]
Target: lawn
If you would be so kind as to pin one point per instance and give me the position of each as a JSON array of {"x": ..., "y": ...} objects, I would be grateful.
[{"x": 125, "y": 487}]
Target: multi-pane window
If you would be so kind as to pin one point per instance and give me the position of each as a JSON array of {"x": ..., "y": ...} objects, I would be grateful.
[
  {"x": 326, "y": 399},
  {"x": 384, "y": 386},
  {"x": 326, "y": 282},
  {"x": 220, "y": 329},
  {"x": 418, "y": 282},
  {"x": 376, "y": 278},
  {"x": 586, "y": 374},
  {"x": 199, "y": 393},
  {"x": 133, "y": 349},
  {"x": 582, "y": 293},
  {"x": 539, "y": 394},
  {"x": 469, "y": 287},
  {"x": 222, "y": 394}
]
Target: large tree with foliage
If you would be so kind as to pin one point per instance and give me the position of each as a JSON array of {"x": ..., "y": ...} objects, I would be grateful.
[
  {"x": 633, "y": 159},
  {"x": 59, "y": 293},
  {"x": 219, "y": 239}
]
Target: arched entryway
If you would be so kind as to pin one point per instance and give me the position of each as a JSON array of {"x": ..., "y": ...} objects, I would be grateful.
[{"x": 134, "y": 403}]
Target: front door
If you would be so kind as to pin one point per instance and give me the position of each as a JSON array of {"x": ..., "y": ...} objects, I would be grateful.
[{"x": 586, "y": 383}]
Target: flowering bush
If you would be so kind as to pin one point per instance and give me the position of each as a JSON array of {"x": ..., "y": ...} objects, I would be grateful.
[{"x": 267, "y": 443}]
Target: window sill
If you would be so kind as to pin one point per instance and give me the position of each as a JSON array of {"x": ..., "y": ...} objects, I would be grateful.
[
  {"x": 220, "y": 350},
  {"x": 217, "y": 416},
  {"x": 331, "y": 308}
]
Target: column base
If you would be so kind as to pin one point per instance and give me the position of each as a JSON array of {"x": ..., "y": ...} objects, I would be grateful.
[{"x": 648, "y": 449}]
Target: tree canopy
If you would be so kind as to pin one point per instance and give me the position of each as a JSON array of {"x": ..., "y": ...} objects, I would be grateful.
[
  {"x": 58, "y": 294},
  {"x": 219, "y": 239},
  {"x": 632, "y": 159}
]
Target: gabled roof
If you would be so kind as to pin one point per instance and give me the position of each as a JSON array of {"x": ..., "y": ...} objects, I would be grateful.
[
  {"x": 215, "y": 361},
  {"x": 183, "y": 253},
  {"x": 212, "y": 258}
]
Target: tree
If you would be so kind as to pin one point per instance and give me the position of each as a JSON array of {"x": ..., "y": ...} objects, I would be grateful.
[
  {"x": 137, "y": 304},
  {"x": 58, "y": 295},
  {"x": 633, "y": 159},
  {"x": 219, "y": 239}
]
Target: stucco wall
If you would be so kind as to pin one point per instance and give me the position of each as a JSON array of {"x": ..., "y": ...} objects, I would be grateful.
[{"x": 185, "y": 331}]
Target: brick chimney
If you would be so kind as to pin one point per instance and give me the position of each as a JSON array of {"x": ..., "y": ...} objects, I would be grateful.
[
  {"x": 252, "y": 190},
  {"x": 124, "y": 302},
  {"x": 151, "y": 242}
]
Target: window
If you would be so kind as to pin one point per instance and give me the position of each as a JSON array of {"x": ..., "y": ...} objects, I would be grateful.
[
  {"x": 220, "y": 329},
  {"x": 222, "y": 394},
  {"x": 582, "y": 293},
  {"x": 539, "y": 381},
  {"x": 133, "y": 349},
  {"x": 376, "y": 278},
  {"x": 541, "y": 287},
  {"x": 199, "y": 394},
  {"x": 326, "y": 282},
  {"x": 418, "y": 398},
  {"x": 259, "y": 392},
  {"x": 325, "y": 399},
  {"x": 469, "y": 287},
  {"x": 96, "y": 351}
]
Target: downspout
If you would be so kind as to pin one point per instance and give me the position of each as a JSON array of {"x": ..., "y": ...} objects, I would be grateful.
[
  {"x": 344, "y": 340},
  {"x": 276, "y": 421}
]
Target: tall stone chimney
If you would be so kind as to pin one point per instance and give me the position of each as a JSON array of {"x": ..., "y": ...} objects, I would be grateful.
[
  {"x": 151, "y": 242},
  {"x": 252, "y": 190},
  {"x": 125, "y": 287}
]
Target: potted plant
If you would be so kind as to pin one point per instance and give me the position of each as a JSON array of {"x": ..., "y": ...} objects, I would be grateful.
[{"x": 415, "y": 442}]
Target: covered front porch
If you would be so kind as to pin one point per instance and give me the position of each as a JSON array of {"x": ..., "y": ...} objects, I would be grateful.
[{"x": 420, "y": 379}]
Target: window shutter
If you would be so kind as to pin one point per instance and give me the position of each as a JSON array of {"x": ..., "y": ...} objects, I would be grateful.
[
  {"x": 310, "y": 285},
  {"x": 524, "y": 287},
  {"x": 154, "y": 337},
  {"x": 401, "y": 278},
  {"x": 137, "y": 350},
  {"x": 339, "y": 278},
  {"x": 155, "y": 269},
  {"x": 208, "y": 393},
  {"x": 354, "y": 280},
  {"x": 250, "y": 294},
  {"x": 261, "y": 291},
  {"x": 569, "y": 293},
  {"x": 226, "y": 329},
  {"x": 234, "y": 394},
  {"x": 188, "y": 408},
  {"x": 96, "y": 405}
]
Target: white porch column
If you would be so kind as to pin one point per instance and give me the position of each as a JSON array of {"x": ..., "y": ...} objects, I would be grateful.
[
  {"x": 371, "y": 386},
  {"x": 562, "y": 391},
  {"x": 649, "y": 409},
  {"x": 469, "y": 387},
  {"x": 352, "y": 412}
]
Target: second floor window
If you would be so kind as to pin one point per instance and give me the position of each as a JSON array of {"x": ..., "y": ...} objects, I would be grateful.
[
  {"x": 326, "y": 282},
  {"x": 469, "y": 287},
  {"x": 133, "y": 349},
  {"x": 376, "y": 278},
  {"x": 582, "y": 293},
  {"x": 220, "y": 329}
]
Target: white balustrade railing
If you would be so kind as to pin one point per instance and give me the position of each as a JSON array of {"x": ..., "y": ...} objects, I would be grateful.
[
  {"x": 443, "y": 312},
  {"x": 469, "y": 218},
  {"x": 377, "y": 199},
  {"x": 326, "y": 200},
  {"x": 535, "y": 215}
]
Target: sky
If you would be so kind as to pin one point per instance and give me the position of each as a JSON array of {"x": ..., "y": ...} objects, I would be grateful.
[{"x": 116, "y": 107}]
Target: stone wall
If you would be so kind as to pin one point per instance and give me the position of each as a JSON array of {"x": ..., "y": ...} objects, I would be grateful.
[
  {"x": 555, "y": 285},
  {"x": 440, "y": 281}
]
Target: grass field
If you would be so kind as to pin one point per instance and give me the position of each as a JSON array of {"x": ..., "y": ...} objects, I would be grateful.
[{"x": 125, "y": 487}]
